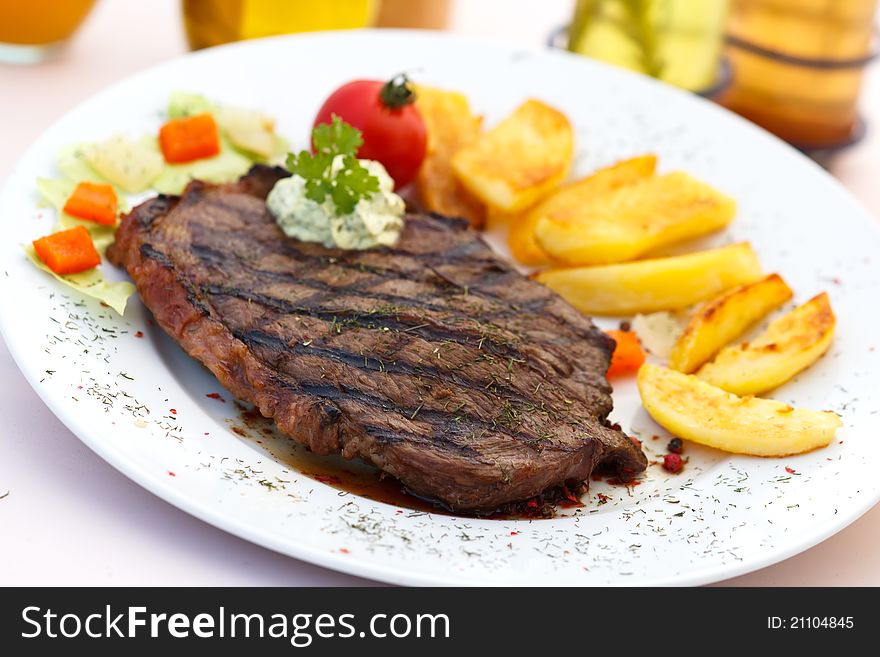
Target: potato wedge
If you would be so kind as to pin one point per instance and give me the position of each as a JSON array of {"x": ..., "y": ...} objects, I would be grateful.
[
  {"x": 520, "y": 160},
  {"x": 694, "y": 410},
  {"x": 648, "y": 286},
  {"x": 522, "y": 243},
  {"x": 723, "y": 319},
  {"x": 498, "y": 219},
  {"x": 790, "y": 344},
  {"x": 631, "y": 220},
  {"x": 451, "y": 126},
  {"x": 521, "y": 238}
]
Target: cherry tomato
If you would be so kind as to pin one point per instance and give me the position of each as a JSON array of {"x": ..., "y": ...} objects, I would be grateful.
[{"x": 393, "y": 130}]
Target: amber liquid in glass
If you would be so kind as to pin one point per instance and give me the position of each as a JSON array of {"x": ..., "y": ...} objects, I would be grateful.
[
  {"x": 40, "y": 22},
  {"x": 813, "y": 102},
  {"x": 214, "y": 22},
  {"x": 421, "y": 14},
  {"x": 33, "y": 31}
]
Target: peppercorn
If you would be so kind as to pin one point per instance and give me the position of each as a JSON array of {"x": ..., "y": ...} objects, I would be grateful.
[
  {"x": 672, "y": 463},
  {"x": 675, "y": 446}
]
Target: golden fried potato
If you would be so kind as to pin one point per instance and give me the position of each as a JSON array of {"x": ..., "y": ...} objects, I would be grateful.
[
  {"x": 692, "y": 409},
  {"x": 789, "y": 345},
  {"x": 521, "y": 238},
  {"x": 522, "y": 243},
  {"x": 498, "y": 219},
  {"x": 725, "y": 318},
  {"x": 626, "y": 222},
  {"x": 647, "y": 286},
  {"x": 451, "y": 126},
  {"x": 520, "y": 160}
]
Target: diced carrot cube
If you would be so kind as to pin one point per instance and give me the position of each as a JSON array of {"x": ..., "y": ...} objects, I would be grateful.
[
  {"x": 69, "y": 251},
  {"x": 93, "y": 201},
  {"x": 628, "y": 356},
  {"x": 189, "y": 138}
]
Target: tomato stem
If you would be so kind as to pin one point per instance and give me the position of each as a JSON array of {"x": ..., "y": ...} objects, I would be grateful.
[{"x": 397, "y": 92}]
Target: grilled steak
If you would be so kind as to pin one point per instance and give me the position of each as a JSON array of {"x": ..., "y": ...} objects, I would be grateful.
[{"x": 434, "y": 360}]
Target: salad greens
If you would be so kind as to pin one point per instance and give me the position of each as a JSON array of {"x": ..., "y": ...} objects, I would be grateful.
[
  {"x": 136, "y": 165},
  {"x": 55, "y": 192},
  {"x": 91, "y": 283}
]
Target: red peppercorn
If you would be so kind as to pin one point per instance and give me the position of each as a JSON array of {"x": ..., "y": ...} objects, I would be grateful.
[{"x": 672, "y": 463}]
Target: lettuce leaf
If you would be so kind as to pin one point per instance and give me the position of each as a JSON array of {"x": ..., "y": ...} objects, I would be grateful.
[
  {"x": 129, "y": 164},
  {"x": 90, "y": 283},
  {"x": 73, "y": 163},
  {"x": 188, "y": 103},
  {"x": 226, "y": 166}
]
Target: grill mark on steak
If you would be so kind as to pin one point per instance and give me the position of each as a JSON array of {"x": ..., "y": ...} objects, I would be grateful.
[
  {"x": 426, "y": 262},
  {"x": 259, "y": 338},
  {"x": 343, "y": 392},
  {"x": 192, "y": 295},
  {"x": 211, "y": 257},
  {"x": 381, "y": 319},
  {"x": 417, "y": 303},
  {"x": 158, "y": 207},
  {"x": 433, "y": 360},
  {"x": 459, "y": 423},
  {"x": 488, "y": 267}
]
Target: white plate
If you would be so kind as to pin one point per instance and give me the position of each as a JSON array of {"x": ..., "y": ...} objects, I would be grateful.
[{"x": 723, "y": 516}]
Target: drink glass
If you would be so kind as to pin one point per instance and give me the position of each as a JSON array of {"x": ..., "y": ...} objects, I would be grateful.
[
  {"x": 798, "y": 67},
  {"x": 421, "y": 14},
  {"x": 32, "y": 31},
  {"x": 214, "y": 22}
]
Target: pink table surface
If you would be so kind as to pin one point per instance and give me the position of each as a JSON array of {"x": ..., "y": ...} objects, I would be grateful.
[{"x": 69, "y": 518}]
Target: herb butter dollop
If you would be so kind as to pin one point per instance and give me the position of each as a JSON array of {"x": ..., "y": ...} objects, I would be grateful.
[{"x": 376, "y": 220}]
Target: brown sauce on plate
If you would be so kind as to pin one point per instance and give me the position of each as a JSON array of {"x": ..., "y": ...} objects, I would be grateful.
[
  {"x": 355, "y": 477},
  {"x": 358, "y": 478}
]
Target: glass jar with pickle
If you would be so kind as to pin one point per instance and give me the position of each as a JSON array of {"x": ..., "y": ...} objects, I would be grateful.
[{"x": 678, "y": 41}]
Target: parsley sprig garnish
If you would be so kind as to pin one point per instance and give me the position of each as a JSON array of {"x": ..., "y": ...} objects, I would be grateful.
[{"x": 347, "y": 185}]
